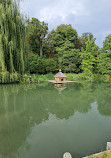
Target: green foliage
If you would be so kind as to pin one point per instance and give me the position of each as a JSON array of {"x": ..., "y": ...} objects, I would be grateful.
[
  {"x": 87, "y": 37},
  {"x": 62, "y": 44},
  {"x": 35, "y": 64},
  {"x": 104, "y": 58},
  {"x": 51, "y": 50},
  {"x": 70, "y": 61},
  {"x": 104, "y": 63},
  {"x": 36, "y": 78},
  {"x": 80, "y": 43},
  {"x": 65, "y": 36},
  {"x": 107, "y": 43},
  {"x": 12, "y": 40},
  {"x": 47, "y": 52},
  {"x": 6, "y": 77},
  {"x": 51, "y": 66},
  {"x": 65, "y": 33},
  {"x": 89, "y": 57},
  {"x": 36, "y": 35},
  {"x": 38, "y": 65},
  {"x": 79, "y": 77}
]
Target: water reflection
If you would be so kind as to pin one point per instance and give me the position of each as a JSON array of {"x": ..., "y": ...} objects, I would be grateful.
[
  {"x": 60, "y": 87},
  {"x": 24, "y": 106}
]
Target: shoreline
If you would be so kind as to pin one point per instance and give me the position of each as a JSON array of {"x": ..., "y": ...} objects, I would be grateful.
[{"x": 38, "y": 78}]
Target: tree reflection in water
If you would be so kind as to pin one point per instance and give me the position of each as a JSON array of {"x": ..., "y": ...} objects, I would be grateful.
[{"x": 24, "y": 106}]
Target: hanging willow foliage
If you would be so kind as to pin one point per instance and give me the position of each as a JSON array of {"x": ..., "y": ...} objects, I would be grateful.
[{"x": 12, "y": 41}]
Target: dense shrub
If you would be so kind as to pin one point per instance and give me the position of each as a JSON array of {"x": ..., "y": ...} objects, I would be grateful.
[
  {"x": 6, "y": 77},
  {"x": 37, "y": 65},
  {"x": 51, "y": 66}
]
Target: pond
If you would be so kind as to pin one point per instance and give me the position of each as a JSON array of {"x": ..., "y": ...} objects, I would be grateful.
[{"x": 44, "y": 121}]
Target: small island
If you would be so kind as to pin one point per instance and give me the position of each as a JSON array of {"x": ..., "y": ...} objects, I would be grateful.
[{"x": 60, "y": 78}]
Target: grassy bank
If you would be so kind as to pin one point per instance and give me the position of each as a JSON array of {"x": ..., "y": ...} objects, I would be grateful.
[
  {"x": 106, "y": 154},
  {"x": 35, "y": 78}
]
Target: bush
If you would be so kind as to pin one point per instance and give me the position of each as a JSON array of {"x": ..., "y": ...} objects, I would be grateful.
[
  {"x": 35, "y": 64},
  {"x": 36, "y": 78},
  {"x": 6, "y": 77},
  {"x": 51, "y": 66}
]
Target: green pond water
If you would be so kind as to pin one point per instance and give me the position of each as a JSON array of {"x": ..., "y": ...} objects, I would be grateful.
[{"x": 43, "y": 121}]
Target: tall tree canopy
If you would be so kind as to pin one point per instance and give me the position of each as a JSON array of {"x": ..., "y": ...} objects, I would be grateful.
[
  {"x": 86, "y": 37},
  {"x": 89, "y": 58},
  {"x": 65, "y": 44},
  {"x": 37, "y": 32},
  {"x": 61, "y": 45},
  {"x": 104, "y": 59},
  {"x": 65, "y": 33}
]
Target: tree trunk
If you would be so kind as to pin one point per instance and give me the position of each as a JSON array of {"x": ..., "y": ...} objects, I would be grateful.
[
  {"x": 41, "y": 47},
  {"x": 2, "y": 59}
]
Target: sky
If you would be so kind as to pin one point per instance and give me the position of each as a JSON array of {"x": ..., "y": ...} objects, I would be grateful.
[{"x": 84, "y": 15}]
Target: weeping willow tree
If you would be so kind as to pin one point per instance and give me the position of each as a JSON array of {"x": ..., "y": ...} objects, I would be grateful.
[{"x": 12, "y": 41}]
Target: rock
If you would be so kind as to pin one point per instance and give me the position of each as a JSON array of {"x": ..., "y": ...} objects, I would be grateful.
[
  {"x": 108, "y": 146},
  {"x": 67, "y": 155}
]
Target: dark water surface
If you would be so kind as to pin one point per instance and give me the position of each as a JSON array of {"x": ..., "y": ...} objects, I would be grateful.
[{"x": 41, "y": 121}]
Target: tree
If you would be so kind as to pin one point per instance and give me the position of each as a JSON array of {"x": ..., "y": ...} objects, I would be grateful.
[
  {"x": 51, "y": 51},
  {"x": 89, "y": 58},
  {"x": 71, "y": 61},
  {"x": 107, "y": 43},
  {"x": 51, "y": 66},
  {"x": 37, "y": 33},
  {"x": 104, "y": 58},
  {"x": 65, "y": 33},
  {"x": 12, "y": 41},
  {"x": 79, "y": 43},
  {"x": 86, "y": 37},
  {"x": 35, "y": 64},
  {"x": 65, "y": 40}
]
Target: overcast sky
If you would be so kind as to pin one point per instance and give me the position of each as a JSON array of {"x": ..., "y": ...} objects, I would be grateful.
[{"x": 84, "y": 15}]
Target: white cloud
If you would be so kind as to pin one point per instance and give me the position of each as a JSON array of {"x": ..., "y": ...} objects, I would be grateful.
[
  {"x": 62, "y": 9},
  {"x": 84, "y": 15}
]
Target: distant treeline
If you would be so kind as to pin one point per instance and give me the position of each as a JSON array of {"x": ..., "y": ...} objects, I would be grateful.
[{"x": 26, "y": 46}]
